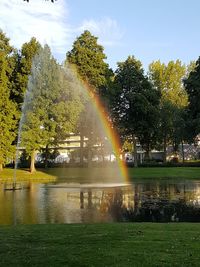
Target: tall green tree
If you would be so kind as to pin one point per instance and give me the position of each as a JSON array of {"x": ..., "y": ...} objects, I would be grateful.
[
  {"x": 9, "y": 52},
  {"x": 135, "y": 104},
  {"x": 5, "y": 46},
  {"x": 168, "y": 79},
  {"x": 89, "y": 60},
  {"x": 192, "y": 86},
  {"x": 22, "y": 63},
  {"x": 51, "y": 105},
  {"x": 179, "y": 134},
  {"x": 171, "y": 128},
  {"x": 88, "y": 57},
  {"x": 21, "y": 69},
  {"x": 7, "y": 107}
]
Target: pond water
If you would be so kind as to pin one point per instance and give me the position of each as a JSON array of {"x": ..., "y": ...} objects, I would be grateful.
[{"x": 63, "y": 202}]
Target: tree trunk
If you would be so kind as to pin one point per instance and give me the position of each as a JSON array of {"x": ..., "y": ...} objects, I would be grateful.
[
  {"x": 165, "y": 149},
  {"x": 46, "y": 157},
  {"x": 81, "y": 200},
  {"x": 32, "y": 167},
  {"x": 135, "y": 150},
  {"x": 148, "y": 153},
  {"x": 81, "y": 148},
  {"x": 1, "y": 166},
  {"x": 183, "y": 153}
]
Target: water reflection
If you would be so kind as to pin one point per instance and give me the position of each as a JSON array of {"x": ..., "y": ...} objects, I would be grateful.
[{"x": 74, "y": 203}]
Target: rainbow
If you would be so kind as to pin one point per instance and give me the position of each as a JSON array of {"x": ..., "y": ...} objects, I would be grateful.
[{"x": 106, "y": 124}]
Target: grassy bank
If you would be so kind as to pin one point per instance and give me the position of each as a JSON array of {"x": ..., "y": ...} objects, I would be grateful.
[
  {"x": 137, "y": 244},
  {"x": 72, "y": 174},
  {"x": 165, "y": 172},
  {"x": 7, "y": 175},
  {"x": 97, "y": 174}
]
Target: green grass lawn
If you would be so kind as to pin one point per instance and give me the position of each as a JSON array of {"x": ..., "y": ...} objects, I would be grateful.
[
  {"x": 120, "y": 244},
  {"x": 7, "y": 175},
  {"x": 97, "y": 174},
  {"x": 165, "y": 172},
  {"x": 72, "y": 174}
]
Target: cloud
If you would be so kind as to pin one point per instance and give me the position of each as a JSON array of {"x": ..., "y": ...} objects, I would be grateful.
[
  {"x": 106, "y": 29},
  {"x": 49, "y": 23},
  {"x": 44, "y": 20}
]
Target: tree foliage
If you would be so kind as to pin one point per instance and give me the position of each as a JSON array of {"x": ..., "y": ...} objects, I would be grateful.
[
  {"x": 22, "y": 69},
  {"x": 51, "y": 106},
  {"x": 135, "y": 102},
  {"x": 88, "y": 57},
  {"x": 168, "y": 78},
  {"x": 192, "y": 86},
  {"x": 7, "y": 106}
]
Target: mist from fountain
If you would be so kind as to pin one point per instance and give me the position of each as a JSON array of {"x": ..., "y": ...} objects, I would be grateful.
[{"x": 96, "y": 131}]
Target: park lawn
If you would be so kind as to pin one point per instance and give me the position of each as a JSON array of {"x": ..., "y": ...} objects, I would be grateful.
[
  {"x": 72, "y": 174},
  {"x": 119, "y": 244},
  {"x": 24, "y": 174},
  {"x": 101, "y": 174},
  {"x": 165, "y": 172}
]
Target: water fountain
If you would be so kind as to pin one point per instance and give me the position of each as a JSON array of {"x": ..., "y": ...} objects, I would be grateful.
[{"x": 40, "y": 115}]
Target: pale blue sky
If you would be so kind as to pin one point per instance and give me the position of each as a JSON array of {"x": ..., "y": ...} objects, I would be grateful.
[
  {"x": 148, "y": 29},
  {"x": 151, "y": 29}
]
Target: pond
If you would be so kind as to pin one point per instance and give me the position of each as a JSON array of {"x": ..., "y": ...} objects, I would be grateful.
[{"x": 64, "y": 202}]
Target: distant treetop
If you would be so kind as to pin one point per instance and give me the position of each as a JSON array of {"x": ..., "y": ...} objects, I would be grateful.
[{"x": 45, "y": 0}]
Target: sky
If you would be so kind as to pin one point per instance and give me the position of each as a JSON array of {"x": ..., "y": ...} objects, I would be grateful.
[{"x": 148, "y": 29}]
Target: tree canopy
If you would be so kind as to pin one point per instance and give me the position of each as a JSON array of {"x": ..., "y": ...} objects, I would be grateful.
[
  {"x": 192, "y": 86},
  {"x": 88, "y": 57},
  {"x": 22, "y": 69},
  {"x": 51, "y": 106},
  {"x": 135, "y": 104},
  {"x": 168, "y": 78},
  {"x": 7, "y": 106}
]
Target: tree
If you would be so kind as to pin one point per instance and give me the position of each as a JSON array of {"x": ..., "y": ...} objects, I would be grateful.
[
  {"x": 192, "y": 86},
  {"x": 9, "y": 53},
  {"x": 168, "y": 79},
  {"x": 88, "y": 58},
  {"x": 5, "y": 47},
  {"x": 51, "y": 106},
  {"x": 171, "y": 127},
  {"x": 135, "y": 104},
  {"x": 179, "y": 134},
  {"x": 7, "y": 107},
  {"x": 22, "y": 69}
]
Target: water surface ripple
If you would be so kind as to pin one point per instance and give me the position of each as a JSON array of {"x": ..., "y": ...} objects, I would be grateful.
[{"x": 63, "y": 202}]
